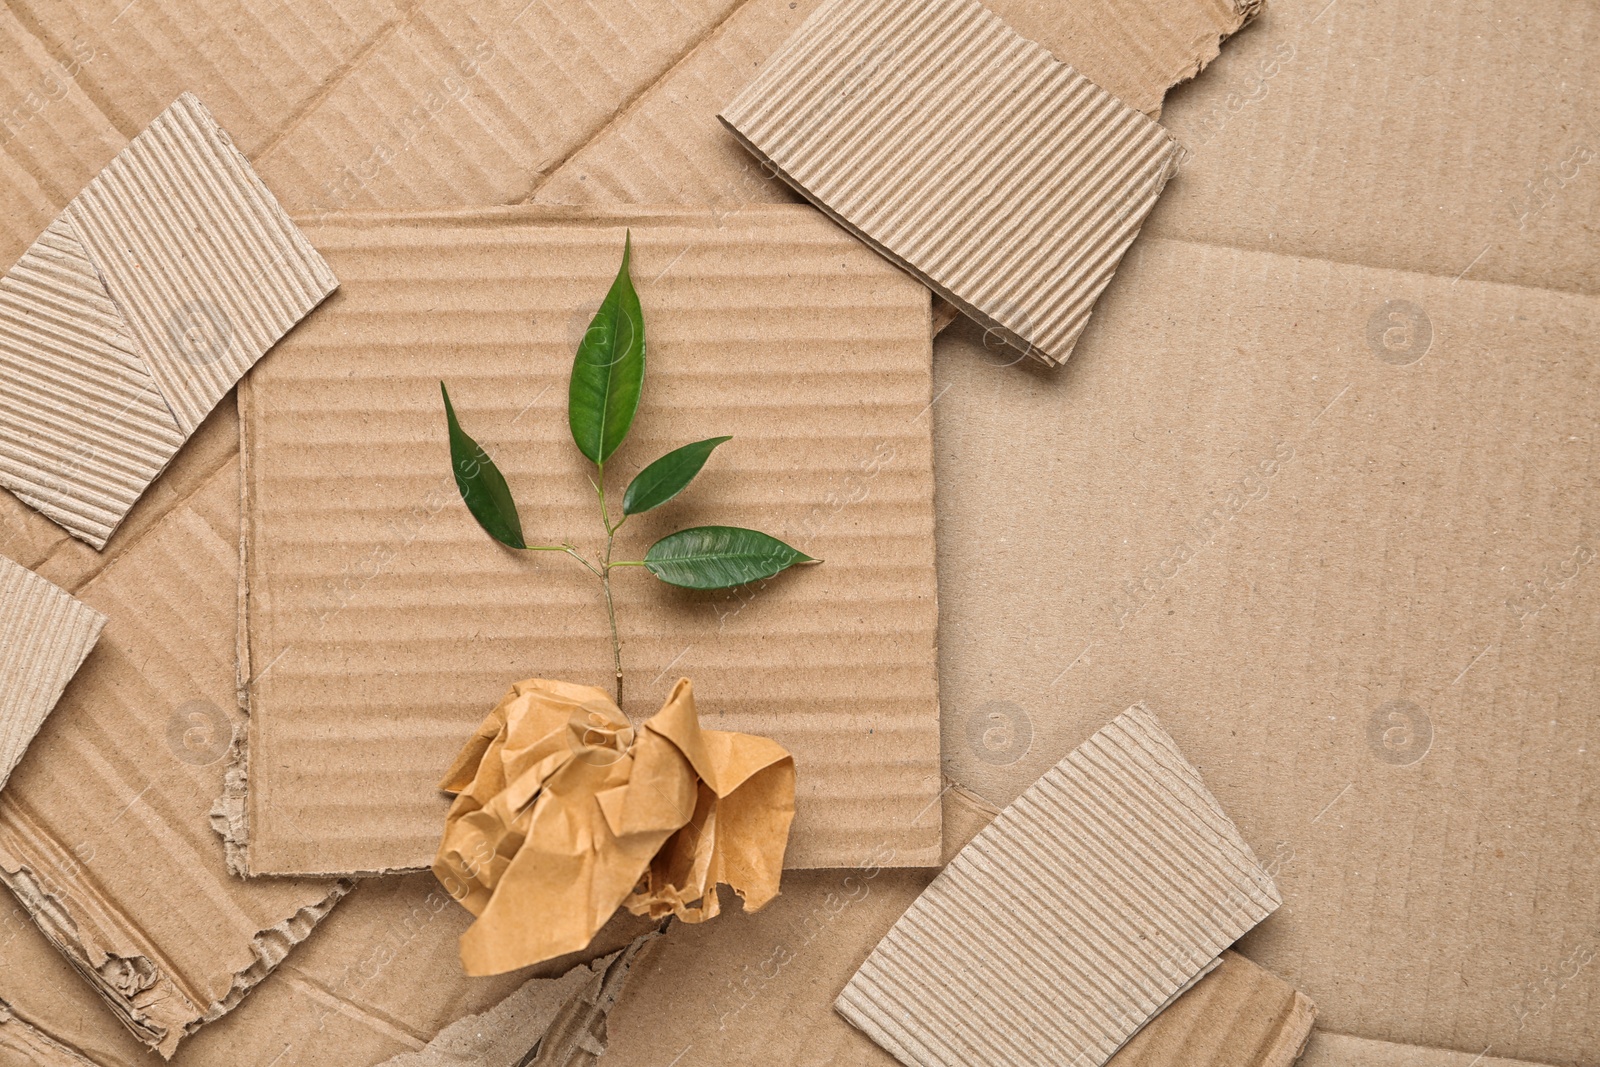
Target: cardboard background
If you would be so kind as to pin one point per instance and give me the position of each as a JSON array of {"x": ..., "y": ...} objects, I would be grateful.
[{"x": 1343, "y": 155}]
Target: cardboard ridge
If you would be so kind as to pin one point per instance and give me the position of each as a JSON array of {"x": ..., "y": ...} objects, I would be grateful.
[
  {"x": 45, "y": 635},
  {"x": 1017, "y": 212},
  {"x": 125, "y": 323},
  {"x": 1103, "y": 893}
]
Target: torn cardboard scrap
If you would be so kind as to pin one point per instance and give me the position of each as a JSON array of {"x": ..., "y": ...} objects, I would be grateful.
[
  {"x": 380, "y": 622},
  {"x": 546, "y": 1021},
  {"x": 564, "y": 812},
  {"x": 103, "y": 832},
  {"x": 1004, "y": 179},
  {"x": 774, "y": 976},
  {"x": 139, "y": 307},
  {"x": 1068, "y": 922},
  {"x": 45, "y": 634}
]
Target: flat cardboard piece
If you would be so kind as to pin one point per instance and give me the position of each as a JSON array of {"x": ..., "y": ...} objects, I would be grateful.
[
  {"x": 162, "y": 282},
  {"x": 45, "y": 634},
  {"x": 360, "y": 550},
  {"x": 1017, "y": 213},
  {"x": 125, "y": 769},
  {"x": 1095, "y": 899}
]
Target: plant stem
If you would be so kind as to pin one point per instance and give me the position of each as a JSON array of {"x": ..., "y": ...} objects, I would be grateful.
[{"x": 605, "y": 581}]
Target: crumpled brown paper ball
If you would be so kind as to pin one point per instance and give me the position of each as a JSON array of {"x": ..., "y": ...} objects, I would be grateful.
[{"x": 564, "y": 812}]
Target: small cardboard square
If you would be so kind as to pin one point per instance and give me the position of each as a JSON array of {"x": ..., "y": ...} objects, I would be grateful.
[
  {"x": 1083, "y": 909},
  {"x": 140, "y": 306},
  {"x": 382, "y": 624},
  {"x": 966, "y": 153},
  {"x": 44, "y": 636}
]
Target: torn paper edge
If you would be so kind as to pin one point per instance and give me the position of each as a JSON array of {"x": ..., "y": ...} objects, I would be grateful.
[{"x": 148, "y": 1001}]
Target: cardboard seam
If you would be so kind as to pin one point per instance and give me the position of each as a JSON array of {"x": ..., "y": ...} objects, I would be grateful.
[
  {"x": 374, "y": 1020},
  {"x": 56, "y": 50},
  {"x": 104, "y": 559},
  {"x": 337, "y": 77},
  {"x": 629, "y": 106},
  {"x": 10, "y": 1017},
  {"x": 1481, "y": 1053},
  {"x": 1307, "y": 257}
]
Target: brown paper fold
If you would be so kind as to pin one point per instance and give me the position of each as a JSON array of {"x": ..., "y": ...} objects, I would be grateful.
[{"x": 564, "y": 812}]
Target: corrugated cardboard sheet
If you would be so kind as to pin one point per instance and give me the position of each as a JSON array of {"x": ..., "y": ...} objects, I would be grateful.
[
  {"x": 1341, "y": 156},
  {"x": 1106, "y": 889},
  {"x": 45, "y": 634},
  {"x": 125, "y": 770},
  {"x": 1018, "y": 208},
  {"x": 383, "y": 623},
  {"x": 136, "y": 311}
]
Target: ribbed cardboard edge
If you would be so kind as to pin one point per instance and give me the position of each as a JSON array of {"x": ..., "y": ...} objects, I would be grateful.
[
  {"x": 992, "y": 327},
  {"x": 151, "y": 1003}
]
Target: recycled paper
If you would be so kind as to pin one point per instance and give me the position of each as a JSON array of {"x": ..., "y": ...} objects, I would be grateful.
[
  {"x": 45, "y": 634},
  {"x": 381, "y": 622},
  {"x": 844, "y": 113},
  {"x": 564, "y": 812},
  {"x": 139, "y": 307},
  {"x": 1108, "y": 888}
]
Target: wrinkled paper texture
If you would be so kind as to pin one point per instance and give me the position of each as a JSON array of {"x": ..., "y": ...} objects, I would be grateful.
[{"x": 564, "y": 812}]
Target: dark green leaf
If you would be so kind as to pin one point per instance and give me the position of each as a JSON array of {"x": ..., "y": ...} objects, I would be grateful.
[
  {"x": 482, "y": 485},
  {"x": 717, "y": 557},
  {"x": 668, "y": 476},
  {"x": 608, "y": 372}
]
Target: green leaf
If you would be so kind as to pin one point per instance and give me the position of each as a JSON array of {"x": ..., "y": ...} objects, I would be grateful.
[
  {"x": 608, "y": 373},
  {"x": 717, "y": 557},
  {"x": 668, "y": 476},
  {"x": 482, "y": 485}
]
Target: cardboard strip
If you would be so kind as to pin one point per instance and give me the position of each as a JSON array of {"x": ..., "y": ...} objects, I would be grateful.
[
  {"x": 162, "y": 282},
  {"x": 964, "y": 152},
  {"x": 1069, "y": 921},
  {"x": 383, "y": 624},
  {"x": 45, "y": 634}
]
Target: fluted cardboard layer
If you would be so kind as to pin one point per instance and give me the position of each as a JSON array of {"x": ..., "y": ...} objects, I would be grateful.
[
  {"x": 966, "y": 153},
  {"x": 1104, "y": 891},
  {"x": 126, "y": 322},
  {"x": 44, "y": 636}
]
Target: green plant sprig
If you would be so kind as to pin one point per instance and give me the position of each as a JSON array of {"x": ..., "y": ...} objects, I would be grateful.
[{"x": 602, "y": 398}]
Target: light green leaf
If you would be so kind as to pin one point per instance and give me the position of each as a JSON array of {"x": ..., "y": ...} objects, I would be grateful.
[
  {"x": 717, "y": 557},
  {"x": 482, "y": 485},
  {"x": 608, "y": 372},
  {"x": 668, "y": 476}
]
